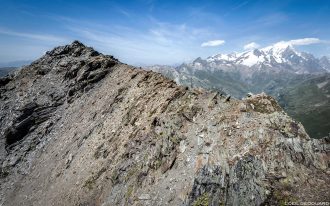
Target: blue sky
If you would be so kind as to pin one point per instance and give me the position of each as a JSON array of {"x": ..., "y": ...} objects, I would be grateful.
[{"x": 145, "y": 32}]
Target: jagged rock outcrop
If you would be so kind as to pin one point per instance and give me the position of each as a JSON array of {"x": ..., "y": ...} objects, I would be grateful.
[{"x": 80, "y": 128}]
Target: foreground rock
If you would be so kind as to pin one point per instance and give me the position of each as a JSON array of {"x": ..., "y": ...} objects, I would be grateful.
[{"x": 80, "y": 128}]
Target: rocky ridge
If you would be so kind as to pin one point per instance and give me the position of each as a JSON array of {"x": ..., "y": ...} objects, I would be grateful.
[
  {"x": 81, "y": 128},
  {"x": 298, "y": 80}
]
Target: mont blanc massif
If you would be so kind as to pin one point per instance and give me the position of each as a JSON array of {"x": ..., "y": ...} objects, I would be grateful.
[{"x": 299, "y": 81}]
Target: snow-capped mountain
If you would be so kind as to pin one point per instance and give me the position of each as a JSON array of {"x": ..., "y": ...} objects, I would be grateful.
[
  {"x": 280, "y": 61},
  {"x": 278, "y": 57}
]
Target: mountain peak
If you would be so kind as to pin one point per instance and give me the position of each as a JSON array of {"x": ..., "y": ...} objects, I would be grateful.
[
  {"x": 77, "y": 43},
  {"x": 279, "y": 48},
  {"x": 76, "y": 48},
  {"x": 222, "y": 57},
  {"x": 257, "y": 52},
  {"x": 198, "y": 59}
]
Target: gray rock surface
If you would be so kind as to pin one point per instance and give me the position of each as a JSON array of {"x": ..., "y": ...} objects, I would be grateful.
[{"x": 80, "y": 128}]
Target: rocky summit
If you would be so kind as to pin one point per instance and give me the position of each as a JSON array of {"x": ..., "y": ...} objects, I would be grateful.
[{"x": 81, "y": 128}]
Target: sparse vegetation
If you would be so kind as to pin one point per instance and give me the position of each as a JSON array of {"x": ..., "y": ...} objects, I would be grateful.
[
  {"x": 283, "y": 193},
  {"x": 202, "y": 200},
  {"x": 132, "y": 171},
  {"x": 90, "y": 182},
  {"x": 115, "y": 177},
  {"x": 129, "y": 192},
  {"x": 175, "y": 139}
]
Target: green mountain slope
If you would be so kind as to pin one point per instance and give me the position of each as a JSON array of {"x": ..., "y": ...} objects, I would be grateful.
[
  {"x": 309, "y": 102},
  {"x": 304, "y": 96}
]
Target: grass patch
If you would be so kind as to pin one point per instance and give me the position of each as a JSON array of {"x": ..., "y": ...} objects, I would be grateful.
[
  {"x": 202, "y": 200},
  {"x": 129, "y": 192}
]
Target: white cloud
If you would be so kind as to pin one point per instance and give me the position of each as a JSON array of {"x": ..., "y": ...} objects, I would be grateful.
[
  {"x": 41, "y": 37},
  {"x": 124, "y": 12},
  {"x": 162, "y": 43},
  {"x": 300, "y": 42},
  {"x": 251, "y": 46},
  {"x": 304, "y": 41},
  {"x": 217, "y": 42}
]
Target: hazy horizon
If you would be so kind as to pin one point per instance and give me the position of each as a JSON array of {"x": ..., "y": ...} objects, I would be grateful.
[{"x": 147, "y": 32}]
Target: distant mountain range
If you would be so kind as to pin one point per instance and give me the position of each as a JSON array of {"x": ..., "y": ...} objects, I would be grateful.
[
  {"x": 18, "y": 63},
  {"x": 7, "y": 67},
  {"x": 6, "y": 70},
  {"x": 298, "y": 80},
  {"x": 277, "y": 58}
]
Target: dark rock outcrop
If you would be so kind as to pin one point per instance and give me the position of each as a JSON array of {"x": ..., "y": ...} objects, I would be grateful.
[{"x": 80, "y": 128}]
